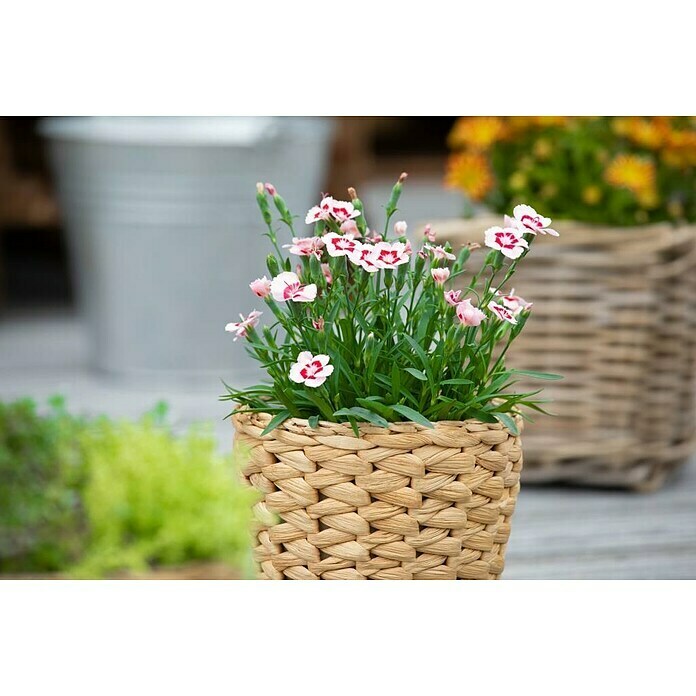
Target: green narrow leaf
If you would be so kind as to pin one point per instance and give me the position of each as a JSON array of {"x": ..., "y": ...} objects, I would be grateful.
[
  {"x": 412, "y": 415},
  {"x": 313, "y": 421},
  {"x": 364, "y": 414},
  {"x": 537, "y": 375},
  {"x": 416, "y": 373},
  {"x": 275, "y": 422},
  {"x": 456, "y": 381},
  {"x": 508, "y": 422},
  {"x": 377, "y": 407}
]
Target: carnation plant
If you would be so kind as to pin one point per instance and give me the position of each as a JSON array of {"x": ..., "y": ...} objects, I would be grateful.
[
  {"x": 606, "y": 169},
  {"x": 363, "y": 327}
]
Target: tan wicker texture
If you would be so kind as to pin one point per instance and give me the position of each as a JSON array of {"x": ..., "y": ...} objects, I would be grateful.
[
  {"x": 401, "y": 503},
  {"x": 614, "y": 312}
]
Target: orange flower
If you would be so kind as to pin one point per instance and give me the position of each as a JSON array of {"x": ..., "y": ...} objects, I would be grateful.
[
  {"x": 477, "y": 132},
  {"x": 469, "y": 171},
  {"x": 637, "y": 174},
  {"x": 681, "y": 149}
]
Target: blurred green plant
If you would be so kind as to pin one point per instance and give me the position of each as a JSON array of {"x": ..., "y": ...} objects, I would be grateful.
[
  {"x": 607, "y": 169},
  {"x": 90, "y": 498}
]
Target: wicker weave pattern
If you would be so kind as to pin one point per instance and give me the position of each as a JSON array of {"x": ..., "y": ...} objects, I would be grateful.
[
  {"x": 614, "y": 312},
  {"x": 395, "y": 504}
]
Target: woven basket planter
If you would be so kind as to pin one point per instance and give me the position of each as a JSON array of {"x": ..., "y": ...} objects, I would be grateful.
[
  {"x": 401, "y": 503},
  {"x": 614, "y": 312}
]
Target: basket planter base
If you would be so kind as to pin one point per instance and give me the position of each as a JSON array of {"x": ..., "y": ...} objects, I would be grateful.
[{"x": 403, "y": 503}]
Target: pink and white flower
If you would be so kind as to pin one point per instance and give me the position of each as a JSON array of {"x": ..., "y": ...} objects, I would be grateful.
[
  {"x": 311, "y": 370},
  {"x": 440, "y": 275},
  {"x": 241, "y": 328},
  {"x": 388, "y": 255},
  {"x": 261, "y": 287},
  {"x": 469, "y": 315},
  {"x": 350, "y": 227},
  {"x": 440, "y": 253},
  {"x": 343, "y": 211},
  {"x": 286, "y": 286},
  {"x": 502, "y": 313},
  {"x": 364, "y": 257},
  {"x": 508, "y": 240},
  {"x": 320, "y": 212},
  {"x": 318, "y": 324},
  {"x": 305, "y": 246},
  {"x": 326, "y": 270},
  {"x": 429, "y": 234},
  {"x": 513, "y": 302},
  {"x": 400, "y": 228},
  {"x": 452, "y": 297},
  {"x": 340, "y": 245},
  {"x": 271, "y": 189},
  {"x": 528, "y": 220}
]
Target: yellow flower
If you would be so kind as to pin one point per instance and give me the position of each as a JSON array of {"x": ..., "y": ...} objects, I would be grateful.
[
  {"x": 637, "y": 174},
  {"x": 592, "y": 195},
  {"x": 621, "y": 125},
  {"x": 469, "y": 171},
  {"x": 549, "y": 121},
  {"x": 477, "y": 132},
  {"x": 543, "y": 149},
  {"x": 646, "y": 132},
  {"x": 680, "y": 149},
  {"x": 518, "y": 181}
]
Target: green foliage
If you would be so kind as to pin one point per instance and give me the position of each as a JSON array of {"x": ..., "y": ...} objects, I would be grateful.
[
  {"x": 40, "y": 473},
  {"x": 397, "y": 349},
  {"x": 94, "y": 497}
]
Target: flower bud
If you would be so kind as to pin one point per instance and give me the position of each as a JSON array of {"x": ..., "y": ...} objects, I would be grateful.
[
  {"x": 271, "y": 189},
  {"x": 272, "y": 265},
  {"x": 440, "y": 275},
  {"x": 400, "y": 228}
]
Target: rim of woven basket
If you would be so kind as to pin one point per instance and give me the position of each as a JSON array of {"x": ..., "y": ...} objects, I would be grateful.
[{"x": 370, "y": 428}]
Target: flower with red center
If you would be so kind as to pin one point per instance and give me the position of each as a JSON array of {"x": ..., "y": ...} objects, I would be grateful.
[
  {"x": 261, "y": 287},
  {"x": 320, "y": 212},
  {"x": 469, "y": 315},
  {"x": 286, "y": 286},
  {"x": 440, "y": 253},
  {"x": 241, "y": 328},
  {"x": 452, "y": 297},
  {"x": 513, "y": 302},
  {"x": 364, "y": 257},
  {"x": 311, "y": 370},
  {"x": 305, "y": 246},
  {"x": 440, "y": 275},
  {"x": 388, "y": 255},
  {"x": 343, "y": 211},
  {"x": 508, "y": 240},
  {"x": 528, "y": 220},
  {"x": 502, "y": 313},
  {"x": 340, "y": 245}
]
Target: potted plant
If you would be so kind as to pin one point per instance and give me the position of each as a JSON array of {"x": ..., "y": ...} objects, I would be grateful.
[
  {"x": 615, "y": 310},
  {"x": 386, "y": 443}
]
